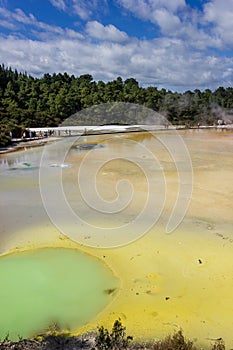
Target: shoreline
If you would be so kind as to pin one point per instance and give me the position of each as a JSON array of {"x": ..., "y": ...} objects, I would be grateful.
[
  {"x": 145, "y": 292},
  {"x": 19, "y": 144},
  {"x": 149, "y": 303}
]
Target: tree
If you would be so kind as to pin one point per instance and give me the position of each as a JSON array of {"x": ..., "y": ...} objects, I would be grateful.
[
  {"x": 27, "y": 101},
  {"x": 116, "y": 339}
]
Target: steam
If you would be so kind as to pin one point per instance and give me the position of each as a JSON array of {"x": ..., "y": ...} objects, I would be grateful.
[{"x": 222, "y": 114}]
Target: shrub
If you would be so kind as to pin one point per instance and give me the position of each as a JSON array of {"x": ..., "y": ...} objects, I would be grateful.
[
  {"x": 117, "y": 339},
  {"x": 175, "y": 342},
  {"x": 219, "y": 345}
]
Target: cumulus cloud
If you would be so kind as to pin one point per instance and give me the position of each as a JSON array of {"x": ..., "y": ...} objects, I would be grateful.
[
  {"x": 167, "y": 21},
  {"x": 147, "y": 9},
  {"x": 220, "y": 14},
  {"x": 159, "y": 62},
  {"x": 110, "y": 33},
  {"x": 183, "y": 56},
  {"x": 175, "y": 18}
]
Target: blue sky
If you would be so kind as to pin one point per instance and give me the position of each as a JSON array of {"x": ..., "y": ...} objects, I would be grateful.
[{"x": 174, "y": 44}]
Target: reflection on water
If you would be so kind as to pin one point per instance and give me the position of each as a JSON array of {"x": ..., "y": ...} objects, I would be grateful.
[{"x": 152, "y": 301}]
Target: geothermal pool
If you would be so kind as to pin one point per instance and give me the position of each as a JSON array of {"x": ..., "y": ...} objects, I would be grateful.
[
  {"x": 166, "y": 281},
  {"x": 50, "y": 286}
]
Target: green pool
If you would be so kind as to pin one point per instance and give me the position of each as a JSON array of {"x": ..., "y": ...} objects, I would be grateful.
[{"x": 51, "y": 285}]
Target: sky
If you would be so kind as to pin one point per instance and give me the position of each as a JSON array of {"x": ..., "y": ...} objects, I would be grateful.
[{"x": 178, "y": 45}]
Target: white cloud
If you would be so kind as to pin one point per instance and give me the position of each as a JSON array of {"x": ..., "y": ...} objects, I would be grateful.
[
  {"x": 175, "y": 18},
  {"x": 5, "y": 13},
  {"x": 220, "y": 14},
  {"x": 172, "y": 5},
  {"x": 60, "y": 4},
  {"x": 73, "y": 34},
  {"x": 162, "y": 62},
  {"x": 178, "y": 20},
  {"x": 17, "y": 20},
  {"x": 86, "y": 8},
  {"x": 179, "y": 59},
  {"x": 7, "y": 24},
  {"x": 167, "y": 21},
  {"x": 16, "y": 17},
  {"x": 83, "y": 8},
  {"x": 146, "y": 9},
  {"x": 21, "y": 17},
  {"x": 170, "y": 16},
  {"x": 110, "y": 33}
]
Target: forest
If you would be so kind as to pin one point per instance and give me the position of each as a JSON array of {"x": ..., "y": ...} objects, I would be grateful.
[{"x": 27, "y": 101}]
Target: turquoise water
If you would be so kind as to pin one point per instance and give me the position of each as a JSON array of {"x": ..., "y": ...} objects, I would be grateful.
[{"x": 51, "y": 285}]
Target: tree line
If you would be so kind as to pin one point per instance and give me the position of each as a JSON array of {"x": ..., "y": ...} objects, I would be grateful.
[{"x": 27, "y": 101}]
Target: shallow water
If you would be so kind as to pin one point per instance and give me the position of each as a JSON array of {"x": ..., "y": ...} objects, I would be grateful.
[
  {"x": 164, "y": 285},
  {"x": 50, "y": 286}
]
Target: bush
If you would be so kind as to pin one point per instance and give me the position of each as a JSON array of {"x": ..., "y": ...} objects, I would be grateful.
[
  {"x": 117, "y": 339},
  {"x": 219, "y": 345},
  {"x": 175, "y": 342}
]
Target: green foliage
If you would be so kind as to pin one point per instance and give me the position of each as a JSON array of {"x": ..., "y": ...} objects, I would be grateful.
[
  {"x": 6, "y": 338},
  {"x": 4, "y": 138},
  {"x": 33, "y": 102},
  {"x": 116, "y": 339}
]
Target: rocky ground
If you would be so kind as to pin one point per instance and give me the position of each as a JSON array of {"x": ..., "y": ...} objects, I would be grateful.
[{"x": 52, "y": 343}]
